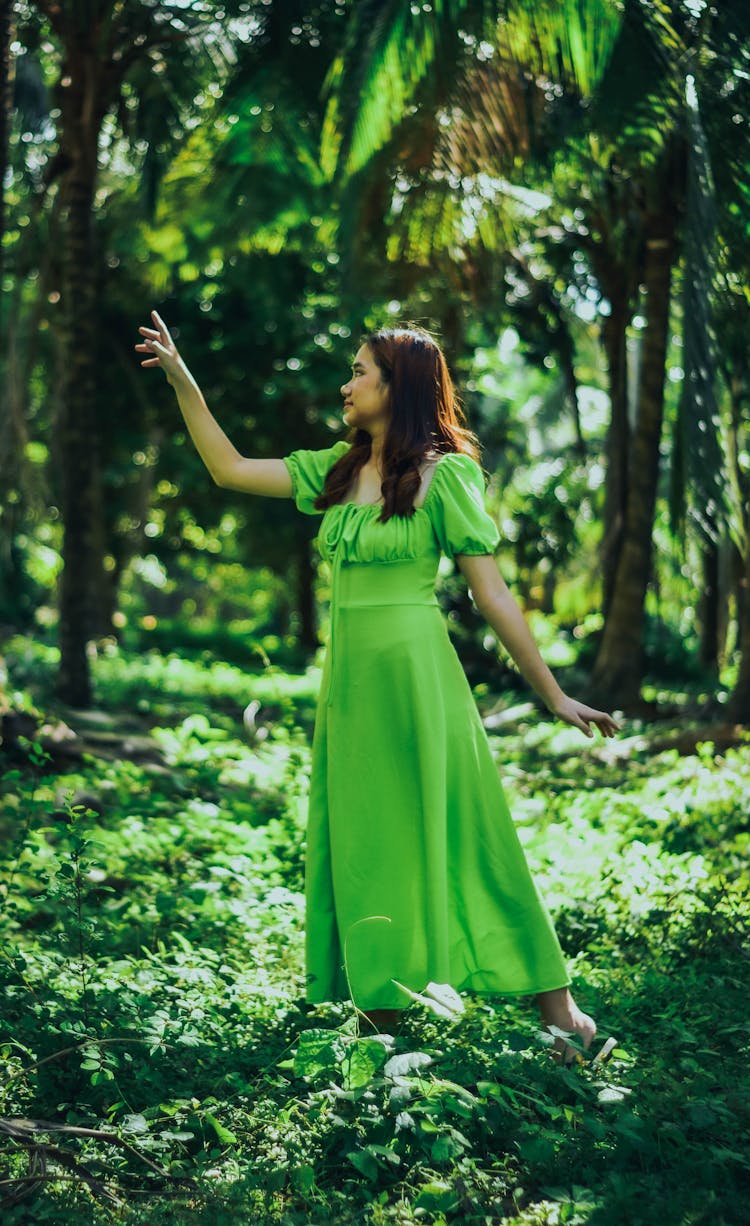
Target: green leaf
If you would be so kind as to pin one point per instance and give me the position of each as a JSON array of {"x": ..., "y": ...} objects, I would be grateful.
[
  {"x": 406, "y": 1062},
  {"x": 437, "y": 1197},
  {"x": 364, "y": 1162},
  {"x": 384, "y": 1152},
  {"x": 362, "y": 1060},
  {"x": 318, "y": 1050},
  {"x": 450, "y": 1145},
  {"x": 225, "y": 1136},
  {"x": 459, "y": 1105},
  {"x": 302, "y": 1178}
]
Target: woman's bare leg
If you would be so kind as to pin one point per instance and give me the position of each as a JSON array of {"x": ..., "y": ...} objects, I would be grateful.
[
  {"x": 559, "y": 1009},
  {"x": 383, "y": 1021}
]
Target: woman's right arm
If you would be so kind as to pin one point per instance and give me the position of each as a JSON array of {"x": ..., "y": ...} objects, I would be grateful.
[{"x": 229, "y": 469}]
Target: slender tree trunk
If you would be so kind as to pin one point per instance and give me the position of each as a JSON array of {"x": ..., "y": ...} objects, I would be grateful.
[
  {"x": 618, "y": 669},
  {"x": 727, "y": 548},
  {"x": 549, "y": 587},
  {"x": 738, "y": 706},
  {"x": 77, "y": 437},
  {"x": 306, "y": 599},
  {"x": 617, "y": 448},
  {"x": 708, "y": 612},
  {"x": 78, "y": 433},
  {"x": 732, "y": 567},
  {"x": 738, "y": 587},
  {"x": 7, "y": 26}
]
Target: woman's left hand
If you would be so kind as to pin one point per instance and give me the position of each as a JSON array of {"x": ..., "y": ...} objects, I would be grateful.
[{"x": 580, "y": 716}]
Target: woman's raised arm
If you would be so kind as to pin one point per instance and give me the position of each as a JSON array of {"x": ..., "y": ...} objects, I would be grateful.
[{"x": 229, "y": 469}]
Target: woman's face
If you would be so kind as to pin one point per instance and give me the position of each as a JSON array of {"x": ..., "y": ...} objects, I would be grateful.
[{"x": 365, "y": 396}]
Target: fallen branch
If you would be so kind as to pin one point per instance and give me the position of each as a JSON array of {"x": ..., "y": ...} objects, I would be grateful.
[{"x": 24, "y": 1132}]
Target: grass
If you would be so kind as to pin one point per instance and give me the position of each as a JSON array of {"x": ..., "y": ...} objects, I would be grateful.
[{"x": 151, "y": 971}]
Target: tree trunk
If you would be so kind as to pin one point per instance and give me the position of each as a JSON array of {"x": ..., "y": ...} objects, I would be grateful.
[
  {"x": 7, "y": 27},
  {"x": 306, "y": 599},
  {"x": 708, "y": 612},
  {"x": 738, "y": 706},
  {"x": 618, "y": 669},
  {"x": 77, "y": 442},
  {"x": 731, "y": 566},
  {"x": 617, "y": 446},
  {"x": 78, "y": 433},
  {"x": 619, "y": 218},
  {"x": 549, "y": 588}
]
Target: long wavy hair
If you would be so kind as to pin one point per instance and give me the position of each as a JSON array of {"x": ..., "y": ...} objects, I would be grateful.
[{"x": 427, "y": 420}]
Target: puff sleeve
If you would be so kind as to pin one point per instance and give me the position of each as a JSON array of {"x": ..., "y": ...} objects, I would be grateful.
[
  {"x": 308, "y": 471},
  {"x": 456, "y": 505}
]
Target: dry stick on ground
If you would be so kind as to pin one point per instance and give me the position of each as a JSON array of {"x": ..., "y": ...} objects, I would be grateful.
[{"x": 23, "y": 1131}]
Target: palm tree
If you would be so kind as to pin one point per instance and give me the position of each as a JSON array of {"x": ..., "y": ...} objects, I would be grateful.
[
  {"x": 689, "y": 71},
  {"x": 636, "y": 84},
  {"x": 144, "y": 64}
]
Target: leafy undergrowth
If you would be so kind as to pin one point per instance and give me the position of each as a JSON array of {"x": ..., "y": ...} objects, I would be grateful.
[{"x": 153, "y": 1015}]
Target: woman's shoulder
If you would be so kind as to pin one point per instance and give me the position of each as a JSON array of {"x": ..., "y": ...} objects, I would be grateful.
[
  {"x": 317, "y": 457},
  {"x": 458, "y": 466},
  {"x": 308, "y": 468},
  {"x": 455, "y": 502}
]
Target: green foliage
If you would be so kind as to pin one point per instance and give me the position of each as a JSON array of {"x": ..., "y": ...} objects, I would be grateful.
[{"x": 151, "y": 973}]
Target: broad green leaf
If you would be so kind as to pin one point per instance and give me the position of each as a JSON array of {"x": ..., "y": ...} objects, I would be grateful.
[{"x": 225, "y": 1136}]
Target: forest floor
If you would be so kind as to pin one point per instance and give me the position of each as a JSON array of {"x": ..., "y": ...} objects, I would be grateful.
[{"x": 160, "y": 1063}]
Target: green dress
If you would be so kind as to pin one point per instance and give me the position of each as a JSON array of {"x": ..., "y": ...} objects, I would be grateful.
[{"x": 414, "y": 870}]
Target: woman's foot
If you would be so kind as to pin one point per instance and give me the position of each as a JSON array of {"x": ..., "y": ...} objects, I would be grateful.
[
  {"x": 382, "y": 1021},
  {"x": 557, "y": 1008}
]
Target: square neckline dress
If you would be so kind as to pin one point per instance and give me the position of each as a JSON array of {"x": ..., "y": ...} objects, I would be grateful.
[{"x": 414, "y": 871}]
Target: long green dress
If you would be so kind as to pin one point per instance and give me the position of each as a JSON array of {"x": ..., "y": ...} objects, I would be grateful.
[{"x": 414, "y": 870}]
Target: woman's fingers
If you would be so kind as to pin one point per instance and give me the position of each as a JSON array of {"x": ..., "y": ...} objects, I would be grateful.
[
  {"x": 157, "y": 341},
  {"x": 152, "y": 346},
  {"x": 159, "y": 333},
  {"x": 602, "y": 719},
  {"x": 582, "y": 717},
  {"x": 163, "y": 329},
  {"x": 158, "y": 344}
]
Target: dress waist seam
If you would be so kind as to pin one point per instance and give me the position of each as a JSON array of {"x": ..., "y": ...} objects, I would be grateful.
[{"x": 390, "y": 604}]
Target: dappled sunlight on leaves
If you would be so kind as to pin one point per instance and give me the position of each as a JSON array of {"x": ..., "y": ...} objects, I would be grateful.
[{"x": 152, "y": 977}]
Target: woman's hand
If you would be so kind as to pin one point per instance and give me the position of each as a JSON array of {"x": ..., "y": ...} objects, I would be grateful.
[
  {"x": 580, "y": 716},
  {"x": 159, "y": 343}
]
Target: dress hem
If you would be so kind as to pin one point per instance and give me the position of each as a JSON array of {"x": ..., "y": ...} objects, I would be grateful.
[{"x": 333, "y": 1000}]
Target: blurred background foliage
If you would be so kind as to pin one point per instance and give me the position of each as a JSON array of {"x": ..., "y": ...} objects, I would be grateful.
[{"x": 557, "y": 190}]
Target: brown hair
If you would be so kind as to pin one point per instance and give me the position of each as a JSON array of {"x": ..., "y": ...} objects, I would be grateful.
[{"x": 427, "y": 418}]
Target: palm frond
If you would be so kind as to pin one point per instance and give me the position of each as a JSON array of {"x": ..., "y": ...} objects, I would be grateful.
[
  {"x": 699, "y": 463},
  {"x": 569, "y": 42},
  {"x": 390, "y": 48},
  {"x": 633, "y": 108}
]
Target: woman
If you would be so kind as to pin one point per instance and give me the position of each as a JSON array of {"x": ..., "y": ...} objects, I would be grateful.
[{"x": 414, "y": 870}]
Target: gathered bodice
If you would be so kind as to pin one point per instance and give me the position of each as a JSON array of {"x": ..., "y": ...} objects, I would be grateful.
[
  {"x": 452, "y": 518},
  {"x": 355, "y": 534},
  {"x": 391, "y": 565}
]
